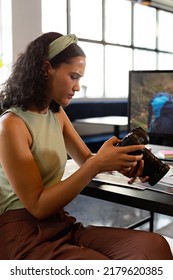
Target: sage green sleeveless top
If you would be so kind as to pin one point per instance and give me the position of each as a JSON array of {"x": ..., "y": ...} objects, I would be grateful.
[{"x": 48, "y": 150}]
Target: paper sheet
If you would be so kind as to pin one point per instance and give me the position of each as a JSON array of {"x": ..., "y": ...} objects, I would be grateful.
[{"x": 115, "y": 178}]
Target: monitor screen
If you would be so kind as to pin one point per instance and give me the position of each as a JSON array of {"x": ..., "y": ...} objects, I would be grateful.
[{"x": 150, "y": 104}]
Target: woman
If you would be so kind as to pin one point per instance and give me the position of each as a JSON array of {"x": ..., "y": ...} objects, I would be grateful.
[{"x": 35, "y": 137}]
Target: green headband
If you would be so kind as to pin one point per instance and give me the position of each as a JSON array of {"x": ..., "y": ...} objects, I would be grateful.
[{"x": 60, "y": 44}]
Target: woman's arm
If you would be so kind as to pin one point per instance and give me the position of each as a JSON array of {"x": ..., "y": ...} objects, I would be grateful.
[
  {"x": 75, "y": 146},
  {"x": 24, "y": 176},
  {"x": 80, "y": 153}
]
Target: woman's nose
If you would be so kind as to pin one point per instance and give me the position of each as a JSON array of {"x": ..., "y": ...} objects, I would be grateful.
[{"x": 76, "y": 87}]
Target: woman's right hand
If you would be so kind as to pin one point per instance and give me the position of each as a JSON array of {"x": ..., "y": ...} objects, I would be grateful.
[{"x": 112, "y": 157}]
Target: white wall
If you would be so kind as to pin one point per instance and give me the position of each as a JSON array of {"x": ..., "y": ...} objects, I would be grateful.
[{"x": 26, "y": 23}]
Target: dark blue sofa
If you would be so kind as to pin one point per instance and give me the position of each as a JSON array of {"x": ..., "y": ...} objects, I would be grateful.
[
  {"x": 97, "y": 108},
  {"x": 89, "y": 109}
]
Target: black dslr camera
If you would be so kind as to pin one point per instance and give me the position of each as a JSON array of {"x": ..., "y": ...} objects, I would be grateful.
[{"x": 153, "y": 167}]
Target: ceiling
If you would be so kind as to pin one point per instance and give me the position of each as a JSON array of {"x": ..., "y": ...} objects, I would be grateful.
[{"x": 164, "y": 4}]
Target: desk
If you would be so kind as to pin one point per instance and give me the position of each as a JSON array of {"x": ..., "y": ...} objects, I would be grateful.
[
  {"x": 115, "y": 121},
  {"x": 149, "y": 200},
  {"x": 152, "y": 201}
]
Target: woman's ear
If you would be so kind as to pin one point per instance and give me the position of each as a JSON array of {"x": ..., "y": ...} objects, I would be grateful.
[{"x": 46, "y": 68}]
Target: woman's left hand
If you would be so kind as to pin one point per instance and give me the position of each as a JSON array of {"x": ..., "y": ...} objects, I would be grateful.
[{"x": 134, "y": 172}]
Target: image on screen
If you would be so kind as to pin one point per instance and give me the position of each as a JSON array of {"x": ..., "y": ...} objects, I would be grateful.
[{"x": 151, "y": 103}]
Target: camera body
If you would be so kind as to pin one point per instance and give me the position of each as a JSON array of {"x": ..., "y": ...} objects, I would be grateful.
[{"x": 153, "y": 167}]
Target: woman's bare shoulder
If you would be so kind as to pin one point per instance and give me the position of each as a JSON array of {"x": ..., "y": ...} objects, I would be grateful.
[
  {"x": 9, "y": 121},
  {"x": 12, "y": 125}
]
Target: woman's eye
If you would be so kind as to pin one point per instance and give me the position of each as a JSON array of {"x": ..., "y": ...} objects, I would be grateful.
[{"x": 75, "y": 77}]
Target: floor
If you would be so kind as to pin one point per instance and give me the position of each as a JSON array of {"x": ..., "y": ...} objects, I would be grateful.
[{"x": 98, "y": 212}]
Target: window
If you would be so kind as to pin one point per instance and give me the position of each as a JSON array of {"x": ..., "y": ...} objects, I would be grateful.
[
  {"x": 117, "y": 36},
  {"x": 92, "y": 82},
  {"x": 54, "y": 16},
  {"x": 165, "y": 35},
  {"x": 5, "y": 39},
  {"x": 165, "y": 61},
  {"x": 144, "y": 60},
  {"x": 118, "y": 22},
  {"x": 118, "y": 63},
  {"x": 86, "y": 19},
  {"x": 144, "y": 26}
]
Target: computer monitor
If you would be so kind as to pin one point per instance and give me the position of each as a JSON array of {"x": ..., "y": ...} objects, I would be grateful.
[{"x": 150, "y": 104}]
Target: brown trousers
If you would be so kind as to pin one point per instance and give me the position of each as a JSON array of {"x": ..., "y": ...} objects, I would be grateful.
[{"x": 23, "y": 237}]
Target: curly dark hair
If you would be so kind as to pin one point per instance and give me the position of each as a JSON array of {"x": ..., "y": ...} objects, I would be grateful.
[{"x": 27, "y": 84}]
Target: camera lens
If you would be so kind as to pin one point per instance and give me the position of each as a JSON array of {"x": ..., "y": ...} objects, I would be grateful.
[
  {"x": 158, "y": 174},
  {"x": 153, "y": 167}
]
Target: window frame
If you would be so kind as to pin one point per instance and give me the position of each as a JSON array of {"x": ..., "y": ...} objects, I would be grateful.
[{"x": 156, "y": 51}]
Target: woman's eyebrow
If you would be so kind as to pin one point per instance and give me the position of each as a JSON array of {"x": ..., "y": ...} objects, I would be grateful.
[{"x": 76, "y": 73}]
